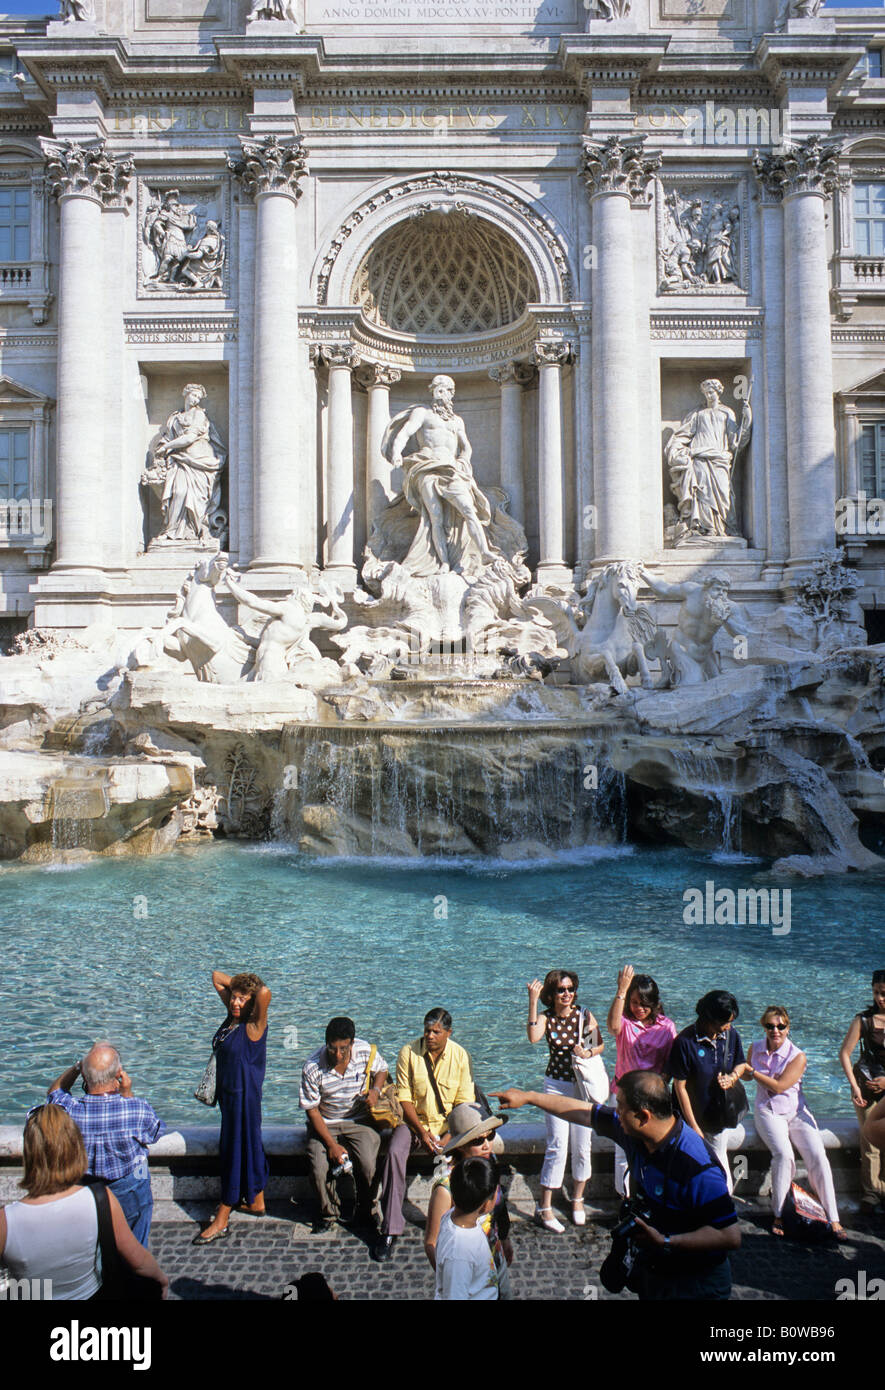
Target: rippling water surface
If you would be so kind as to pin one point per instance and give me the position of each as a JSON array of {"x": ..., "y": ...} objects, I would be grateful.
[{"x": 384, "y": 942}]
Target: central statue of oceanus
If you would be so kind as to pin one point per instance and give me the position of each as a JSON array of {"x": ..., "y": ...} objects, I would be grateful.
[{"x": 438, "y": 484}]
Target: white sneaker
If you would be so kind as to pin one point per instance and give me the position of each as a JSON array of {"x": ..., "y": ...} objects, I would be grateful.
[
  {"x": 579, "y": 1216},
  {"x": 544, "y": 1217}
]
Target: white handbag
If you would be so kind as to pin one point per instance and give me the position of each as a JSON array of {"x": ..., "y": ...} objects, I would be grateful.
[{"x": 591, "y": 1077}]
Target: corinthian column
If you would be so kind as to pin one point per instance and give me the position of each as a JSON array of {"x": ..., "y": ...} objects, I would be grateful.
[
  {"x": 511, "y": 377},
  {"x": 805, "y": 175},
  {"x": 86, "y": 180},
  {"x": 377, "y": 379},
  {"x": 341, "y": 360},
  {"x": 549, "y": 358},
  {"x": 616, "y": 173},
  {"x": 272, "y": 171}
]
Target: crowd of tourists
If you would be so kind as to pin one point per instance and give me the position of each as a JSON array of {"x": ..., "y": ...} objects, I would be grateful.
[{"x": 674, "y": 1112}]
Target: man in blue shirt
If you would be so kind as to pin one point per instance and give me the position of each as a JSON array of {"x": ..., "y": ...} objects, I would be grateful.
[
  {"x": 116, "y": 1127},
  {"x": 683, "y": 1248}
]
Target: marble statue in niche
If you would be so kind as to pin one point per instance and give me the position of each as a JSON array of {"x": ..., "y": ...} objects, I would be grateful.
[
  {"x": 439, "y": 485},
  {"x": 198, "y": 265},
  {"x": 700, "y": 456},
  {"x": 699, "y": 241},
  {"x": 185, "y": 471}
]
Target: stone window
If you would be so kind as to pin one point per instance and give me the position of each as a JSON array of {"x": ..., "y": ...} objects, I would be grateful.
[
  {"x": 24, "y": 232},
  {"x": 869, "y": 219},
  {"x": 15, "y": 224},
  {"x": 872, "y": 458},
  {"x": 26, "y": 512},
  {"x": 15, "y": 464}
]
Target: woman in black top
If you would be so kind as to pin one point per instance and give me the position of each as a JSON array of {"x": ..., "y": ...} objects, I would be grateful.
[{"x": 867, "y": 1082}]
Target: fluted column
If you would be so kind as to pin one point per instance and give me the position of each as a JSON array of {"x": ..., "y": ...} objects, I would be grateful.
[
  {"x": 805, "y": 175},
  {"x": 549, "y": 358},
  {"x": 511, "y": 377},
  {"x": 272, "y": 171},
  {"x": 377, "y": 379},
  {"x": 86, "y": 180},
  {"x": 616, "y": 173},
  {"x": 341, "y": 359}
]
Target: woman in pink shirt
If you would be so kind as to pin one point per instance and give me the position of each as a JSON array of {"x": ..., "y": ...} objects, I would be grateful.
[
  {"x": 783, "y": 1119},
  {"x": 643, "y": 1033}
]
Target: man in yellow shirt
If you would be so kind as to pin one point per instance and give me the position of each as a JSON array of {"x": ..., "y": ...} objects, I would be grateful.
[{"x": 433, "y": 1075}]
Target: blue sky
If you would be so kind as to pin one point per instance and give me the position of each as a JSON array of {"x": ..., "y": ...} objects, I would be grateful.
[{"x": 42, "y": 7}]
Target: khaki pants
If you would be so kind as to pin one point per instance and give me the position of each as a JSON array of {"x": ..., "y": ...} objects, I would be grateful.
[
  {"x": 871, "y": 1181},
  {"x": 362, "y": 1143}
]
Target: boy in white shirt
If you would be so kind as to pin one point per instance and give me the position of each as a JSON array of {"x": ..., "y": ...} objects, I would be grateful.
[{"x": 465, "y": 1266}]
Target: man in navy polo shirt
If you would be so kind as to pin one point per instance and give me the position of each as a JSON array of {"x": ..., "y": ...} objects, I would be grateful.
[
  {"x": 116, "y": 1127},
  {"x": 684, "y": 1247}
]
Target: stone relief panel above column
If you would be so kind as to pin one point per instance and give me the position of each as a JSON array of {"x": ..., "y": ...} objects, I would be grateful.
[
  {"x": 702, "y": 235},
  {"x": 183, "y": 237}
]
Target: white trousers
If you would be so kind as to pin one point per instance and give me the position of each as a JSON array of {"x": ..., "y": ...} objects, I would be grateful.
[
  {"x": 780, "y": 1132},
  {"x": 561, "y": 1134},
  {"x": 721, "y": 1143}
]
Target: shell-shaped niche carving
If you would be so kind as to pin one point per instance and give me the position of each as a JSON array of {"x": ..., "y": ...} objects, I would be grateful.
[{"x": 444, "y": 272}]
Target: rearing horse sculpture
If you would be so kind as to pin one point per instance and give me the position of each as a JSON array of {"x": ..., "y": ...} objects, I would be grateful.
[{"x": 608, "y": 632}]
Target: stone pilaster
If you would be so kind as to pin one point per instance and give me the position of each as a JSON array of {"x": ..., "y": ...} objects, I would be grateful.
[
  {"x": 272, "y": 171},
  {"x": 341, "y": 359},
  {"x": 804, "y": 176},
  {"x": 511, "y": 377},
  {"x": 377, "y": 378},
  {"x": 616, "y": 173},
  {"x": 86, "y": 180},
  {"x": 550, "y": 356}
]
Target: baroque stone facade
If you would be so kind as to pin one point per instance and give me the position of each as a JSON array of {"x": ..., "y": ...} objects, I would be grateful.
[{"x": 646, "y": 244}]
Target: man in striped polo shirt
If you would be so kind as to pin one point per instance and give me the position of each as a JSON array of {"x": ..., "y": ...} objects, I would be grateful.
[{"x": 335, "y": 1092}]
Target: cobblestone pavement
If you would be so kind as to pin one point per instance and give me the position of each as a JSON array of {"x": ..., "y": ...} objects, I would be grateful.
[{"x": 260, "y": 1258}]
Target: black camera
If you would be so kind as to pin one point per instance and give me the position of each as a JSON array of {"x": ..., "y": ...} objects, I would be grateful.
[{"x": 617, "y": 1267}]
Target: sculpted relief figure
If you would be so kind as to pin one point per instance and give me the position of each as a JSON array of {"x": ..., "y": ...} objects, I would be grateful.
[
  {"x": 698, "y": 242},
  {"x": 608, "y": 9},
  {"x": 187, "y": 463},
  {"x": 77, "y": 10},
  {"x": 700, "y": 455},
  {"x": 166, "y": 228},
  {"x": 273, "y": 9},
  {"x": 438, "y": 484}
]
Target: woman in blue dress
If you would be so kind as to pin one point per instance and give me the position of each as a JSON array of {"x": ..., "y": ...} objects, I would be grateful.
[{"x": 240, "y": 1048}]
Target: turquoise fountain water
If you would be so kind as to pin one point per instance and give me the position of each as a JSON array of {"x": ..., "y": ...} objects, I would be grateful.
[{"x": 123, "y": 949}]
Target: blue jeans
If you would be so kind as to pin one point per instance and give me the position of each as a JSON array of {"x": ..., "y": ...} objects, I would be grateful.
[{"x": 135, "y": 1197}]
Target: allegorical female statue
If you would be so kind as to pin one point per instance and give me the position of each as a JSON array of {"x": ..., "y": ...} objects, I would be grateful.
[
  {"x": 187, "y": 463},
  {"x": 700, "y": 455}
]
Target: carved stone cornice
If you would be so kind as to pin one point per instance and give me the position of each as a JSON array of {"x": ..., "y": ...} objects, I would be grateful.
[
  {"x": 87, "y": 171},
  {"x": 378, "y": 374},
  {"x": 551, "y": 353},
  {"x": 272, "y": 165},
  {"x": 620, "y": 165},
  {"x": 810, "y": 166},
  {"x": 512, "y": 373}
]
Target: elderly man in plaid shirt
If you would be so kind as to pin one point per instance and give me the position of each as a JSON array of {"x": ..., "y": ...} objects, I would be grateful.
[{"x": 116, "y": 1127}]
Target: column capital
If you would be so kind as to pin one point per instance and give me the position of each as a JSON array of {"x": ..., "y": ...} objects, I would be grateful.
[
  {"x": 87, "y": 171},
  {"x": 511, "y": 373},
  {"x": 336, "y": 355},
  {"x": 809, "y": 166},
  {"x": 551, "y": 353},
  {"x": 378, "y": 374},
  {"x": 620, "y": 165},
  {"x": 272, "y": 165}
]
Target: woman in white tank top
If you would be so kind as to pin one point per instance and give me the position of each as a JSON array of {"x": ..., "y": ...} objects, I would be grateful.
[{"x": 52, "y": 1234}]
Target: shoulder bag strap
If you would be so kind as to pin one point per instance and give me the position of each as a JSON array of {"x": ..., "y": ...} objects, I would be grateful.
[
  {"x": 372, "y": 1051},
  {"x": 107, "y": 1242},
  {"x": 433, "y": 1082}
]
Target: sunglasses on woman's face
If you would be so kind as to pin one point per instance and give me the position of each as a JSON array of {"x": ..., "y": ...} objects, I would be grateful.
[
  {"x": 776, "y": 1027},
  {"x": 565, "y": 989}
]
